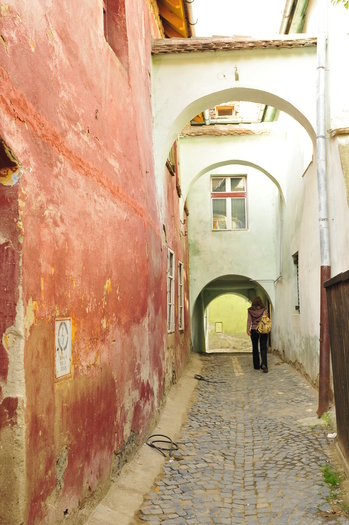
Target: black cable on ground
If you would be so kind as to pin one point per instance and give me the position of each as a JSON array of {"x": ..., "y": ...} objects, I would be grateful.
[
  {"x": 200, "y": 378},
  {"x": 151, "y": 442}
]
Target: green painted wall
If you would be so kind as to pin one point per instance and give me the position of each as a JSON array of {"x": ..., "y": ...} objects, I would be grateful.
[{"x": 231, "y": 310}]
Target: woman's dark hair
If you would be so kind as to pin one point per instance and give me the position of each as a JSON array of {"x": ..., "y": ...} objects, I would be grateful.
[{"x": 257, "y": 302}]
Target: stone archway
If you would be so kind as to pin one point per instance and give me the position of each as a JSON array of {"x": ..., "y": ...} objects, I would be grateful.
[
  {"x": 281, "y": 77},
  {"x": 261, "y": 152},
  {"x": 222, "y": 284}
]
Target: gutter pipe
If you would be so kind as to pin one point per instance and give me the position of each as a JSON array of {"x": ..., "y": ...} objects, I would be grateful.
[
  {"x": 298, "y": 18},
  {"x": 324, "y": 358},
  {"x": 207, "y": 118},
  {"x": 289, "y": 9},
  {"x": 188, "y": 6}
]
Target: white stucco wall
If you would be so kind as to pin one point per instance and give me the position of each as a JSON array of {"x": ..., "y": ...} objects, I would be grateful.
[
  {"x": 297, "y": 334},
  {"x": 338, "y": 146},
  {"x": 201, "y": 154},
  {"x": 256, "y": 253},
  {"x": 250, "y": 253},
  {"x": 185, "y": 84},
  {"x": 338, "y": 72}
]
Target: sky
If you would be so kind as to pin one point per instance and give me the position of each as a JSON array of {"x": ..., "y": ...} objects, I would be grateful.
[{"x": 238, "y": 17}]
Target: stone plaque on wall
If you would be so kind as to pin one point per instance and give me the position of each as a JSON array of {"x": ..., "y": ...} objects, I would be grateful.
[{"x": 63, "y": 347}]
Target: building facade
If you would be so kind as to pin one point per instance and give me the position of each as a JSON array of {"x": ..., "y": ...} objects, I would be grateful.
[{"x": 86, "y": 353}]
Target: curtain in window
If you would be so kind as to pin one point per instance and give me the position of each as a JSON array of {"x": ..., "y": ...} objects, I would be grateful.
[
  {"x": 238, "y": 214},
  {"x": 219, "y": 212}
]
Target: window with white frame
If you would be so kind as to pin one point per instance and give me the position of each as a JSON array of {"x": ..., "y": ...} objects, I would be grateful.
[
  {"x": 228, "y": 202},
  {"x": 170, "y": 291},
  {"x": 180, "y": 297}
]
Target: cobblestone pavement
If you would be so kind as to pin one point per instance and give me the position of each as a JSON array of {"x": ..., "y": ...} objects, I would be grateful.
[{"x": 244, "y": 457}]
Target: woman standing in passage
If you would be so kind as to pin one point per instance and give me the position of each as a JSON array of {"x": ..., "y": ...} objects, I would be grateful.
[{"x": 255, "y": 313}]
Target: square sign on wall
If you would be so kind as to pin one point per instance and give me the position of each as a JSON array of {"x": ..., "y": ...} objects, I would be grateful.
[{"x": 63, "y": 347}]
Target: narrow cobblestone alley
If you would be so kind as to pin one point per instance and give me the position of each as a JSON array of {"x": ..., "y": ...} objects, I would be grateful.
[{"x": 245, "y": 456}]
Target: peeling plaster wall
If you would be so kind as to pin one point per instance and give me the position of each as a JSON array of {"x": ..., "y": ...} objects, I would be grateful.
[
  {"x": 12, "y": 391},
  {"x": 90, "y": 249},
  {"x": 176, "y": 227}
]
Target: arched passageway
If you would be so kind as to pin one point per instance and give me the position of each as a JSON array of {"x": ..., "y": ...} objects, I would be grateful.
[
  {"x": 200, "y": 155},
  {"x": 264, "y": 77},
  {"x": 225, "y": 324},
  {"x": 236, "y": 284},
  {"x": 280, "y": 203}
]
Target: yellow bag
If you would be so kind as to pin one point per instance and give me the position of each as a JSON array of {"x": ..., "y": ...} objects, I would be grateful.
[{"x": 264, "y": 325}]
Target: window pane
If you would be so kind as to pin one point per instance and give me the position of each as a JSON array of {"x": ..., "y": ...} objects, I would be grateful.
[
  {"x": 218, "y": 185},
  {"x": 238, "y": 214},
  {"x": 219, "y": 213},
  {"x": 237, "y": 184},
  {"x": 170, "y": 263},
  {"x": 169, "y": 291}
]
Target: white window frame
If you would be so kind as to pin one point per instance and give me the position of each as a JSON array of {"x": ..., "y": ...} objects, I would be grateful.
[
  {"x": 170, "y": 291},
  {"x": 180, "y": 296},
  {"x": 228, "y": 198}
]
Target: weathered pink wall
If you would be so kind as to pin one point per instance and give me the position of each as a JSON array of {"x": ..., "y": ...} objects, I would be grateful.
[{"x": 80, "y": 125}]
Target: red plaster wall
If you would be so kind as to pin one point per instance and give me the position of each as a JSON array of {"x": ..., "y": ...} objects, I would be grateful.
[
  {"x": 177, "y": 240},
  {"x": 10, "y": 250},
  {"x": 9, "y": 267},
  {"x": 80, "y": 124}
]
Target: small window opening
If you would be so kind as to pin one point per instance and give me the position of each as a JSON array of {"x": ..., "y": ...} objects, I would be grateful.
[
  {"x": 218, "y": 327},
  {"x": 296, "y": 301},
  {"x": 10, "y": 170},
  {"x": 115, "y": 28}
]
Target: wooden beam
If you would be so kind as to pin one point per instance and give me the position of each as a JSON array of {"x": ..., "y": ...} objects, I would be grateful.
[
  {"x": 173, "y": 5},
  {"x": 172, "y": 19},
  {"x": 169, "y": 31}
]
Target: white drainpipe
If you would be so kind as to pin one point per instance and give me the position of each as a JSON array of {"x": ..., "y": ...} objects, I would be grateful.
[
  {"x": 207, "y": 117},
  {"x": 321, "y": 133},
  {"x": 324, "y": 371},
  {"x": 192, "y": 20}
]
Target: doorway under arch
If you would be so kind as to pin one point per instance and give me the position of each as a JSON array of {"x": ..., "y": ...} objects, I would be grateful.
[
  {"x": 225, "y": 324},
  {"x": 225, "y": 284}
]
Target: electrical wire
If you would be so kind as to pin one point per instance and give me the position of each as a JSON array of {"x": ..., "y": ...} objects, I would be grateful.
[
  {"x": 167, "y": 441},
  {"x": 200, "y": 378}
]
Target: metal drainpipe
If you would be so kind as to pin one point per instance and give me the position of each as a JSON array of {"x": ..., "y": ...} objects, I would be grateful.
[
  {"x": 207, "y": 118},
  {"x": 324, "y": 368},
  {"x": 289, "y": 8},
  {"x": 188, "y": 6}
]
